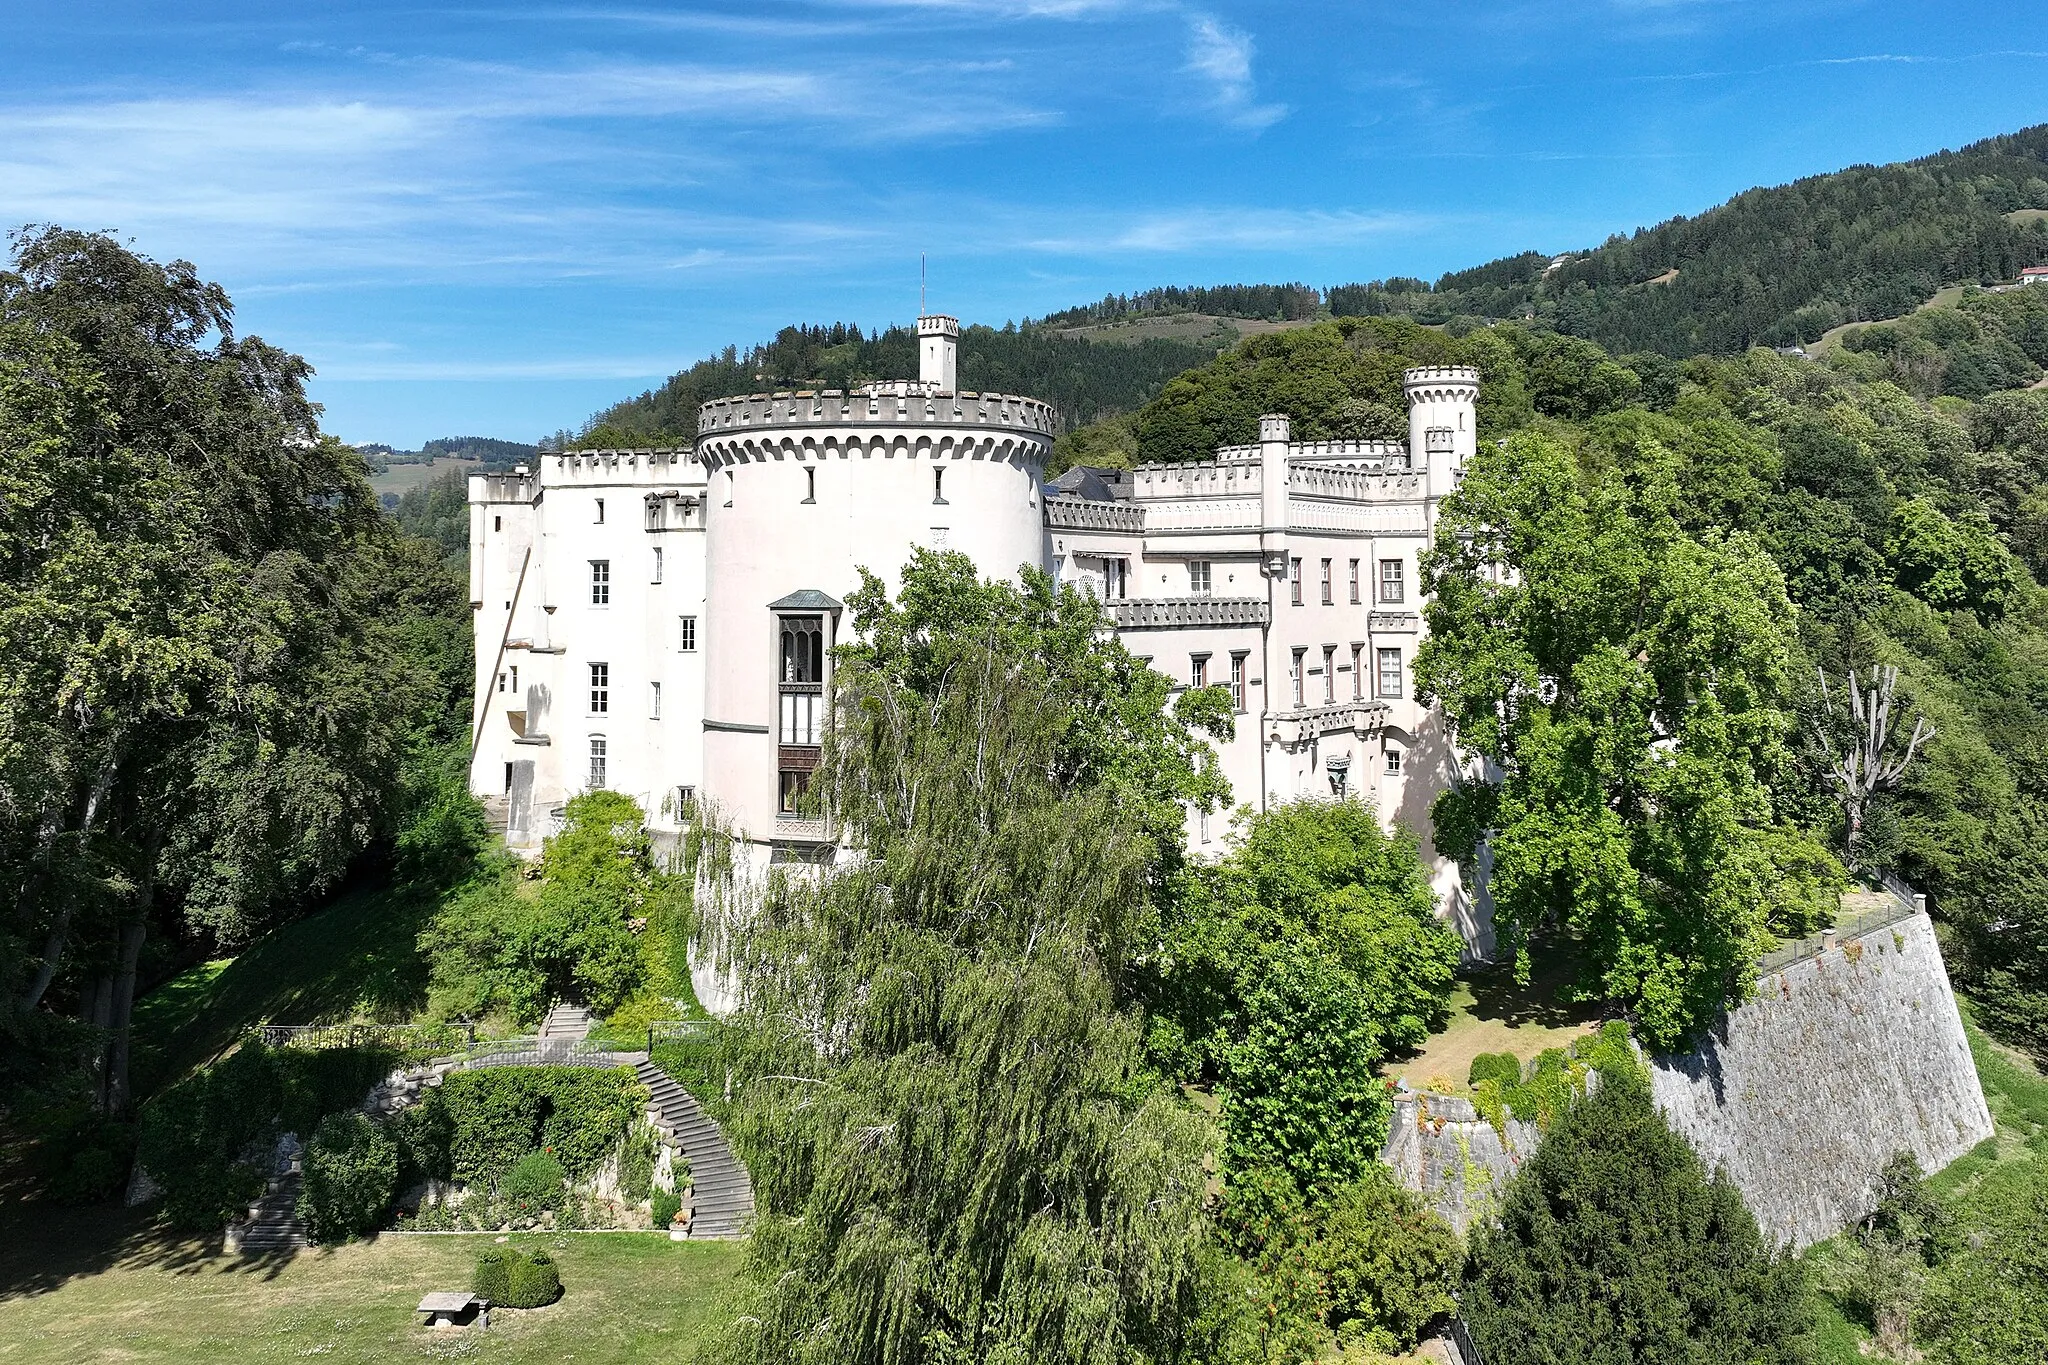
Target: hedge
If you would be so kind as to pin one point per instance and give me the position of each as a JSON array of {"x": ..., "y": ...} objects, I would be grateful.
[
  {"x": 498, "y": 1115},
  {"x": 510, "y": 1278},
  {"x": 206, "y": 1141},
  {"x": 351, "y": 1174}
]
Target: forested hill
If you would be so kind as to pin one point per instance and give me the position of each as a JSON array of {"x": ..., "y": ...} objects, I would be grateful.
[
  {"x": 1082, "y": 379},
  {"x": 1770, "y": 267}
]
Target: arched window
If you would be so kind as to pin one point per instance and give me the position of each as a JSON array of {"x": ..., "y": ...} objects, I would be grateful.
[{"x": 597, "y": 763}]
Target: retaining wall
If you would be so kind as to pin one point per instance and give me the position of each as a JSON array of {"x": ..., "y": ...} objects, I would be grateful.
[{"x": 1839, "y": 1061}]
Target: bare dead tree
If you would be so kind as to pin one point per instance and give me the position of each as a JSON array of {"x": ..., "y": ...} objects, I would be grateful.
[{"x": 1858, "y": 766}]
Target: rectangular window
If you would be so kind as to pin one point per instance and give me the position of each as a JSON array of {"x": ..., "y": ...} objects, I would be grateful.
[
  {"x": 508, "y": 779},
  {"x": 600, "y": 689},
  {"x": 686, "y": 634},
  {"x": 1113, "y": 571},
  {"x": 1391, "y": 585},
  {"x": 1390, "y": 673},
  {"x": 515, "y": 679},
  {"x": 1237, "y": 682},
  {"x": 600, "y": 582},
  {"x": 1393, "y": 762},
  {"x": 654, "y": 701},
  {"x": 1294, "y": 672},
  {"x": 1198, "y": 577},
  {"x": 657, "y": 565},
  {"x": 600, "y": 511},
  {"x": 1329, "y": 674},
  {"x": 792, "y": 793},
  {"x": 1327, "y": 598},
  {"x": 597, "y": 763},
  {"x": 800, "y": 712},
  {"x": 1357, "y": 672},
  {"x": 501, "y": 682},
  {"x": 1294, "y": 579},
  {"x": 1354, "y": 581},
  {"x": 497, "y": 523},
  {"x": 1198, "y": 670}
]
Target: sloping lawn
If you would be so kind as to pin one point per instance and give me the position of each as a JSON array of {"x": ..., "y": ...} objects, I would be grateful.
[
  {"x": 101, "y": 1285},
  {"x": 355, "y": 959},
  {"x": 1492, "y": 1012}
]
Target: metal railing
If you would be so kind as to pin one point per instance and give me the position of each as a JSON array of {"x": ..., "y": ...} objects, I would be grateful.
[
  {"x": 408, "y": 1038},
  {"x": 1901, "y": 903},
  {"x": 676, "y": 1031},
  {"x": 537, "y": 1051}
]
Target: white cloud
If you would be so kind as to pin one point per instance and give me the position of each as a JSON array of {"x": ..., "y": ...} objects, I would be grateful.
[
  {"x": 1222, "y": 56},
  {"x": 1246, "y": 229}
]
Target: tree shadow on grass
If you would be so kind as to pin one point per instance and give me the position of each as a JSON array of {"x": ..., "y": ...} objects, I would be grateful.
[
  {"x": 1555, "y": 967},
  {"x": 45, "y": 1245}
]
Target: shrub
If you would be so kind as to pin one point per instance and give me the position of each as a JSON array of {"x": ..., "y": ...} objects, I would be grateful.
[
  {"x": 510, "y": 1278},
  {"x": 498, "y": 1115},
  {"x": 666, "y": 1204},
  {"x": 1388, "y": 1263},
  {"x": 1612, "y": 1237},
  {"x": 534, "y": 1281},
  {"x": 493, "y": 1278},
  {"x": 351, "y": 1173},
  {"x": 636, "y": 1163},
  {"x": 534, "y": 1183}
]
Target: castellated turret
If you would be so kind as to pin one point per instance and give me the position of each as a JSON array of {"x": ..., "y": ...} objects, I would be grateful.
[
  {"x": 938, "y": 352},
  {"x": 805, "y": 489},
  {"x": 1443, "y": 422}
]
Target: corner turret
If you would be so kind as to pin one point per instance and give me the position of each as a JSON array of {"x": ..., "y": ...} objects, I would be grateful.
[
  {"x": 1443, "y": 422},
  {"x": 938, "y": 352}
]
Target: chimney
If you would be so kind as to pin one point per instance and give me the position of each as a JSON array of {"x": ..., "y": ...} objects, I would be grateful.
[{"x": 938, "y": 352}]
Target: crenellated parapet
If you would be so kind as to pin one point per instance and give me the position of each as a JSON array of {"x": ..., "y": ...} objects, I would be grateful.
[
  {"x": 1176, "y": 613},
  {"x": 1440, "y": 384},
  {"x": 894, "y": 403},
  {"x": 1090, "y": 514}
]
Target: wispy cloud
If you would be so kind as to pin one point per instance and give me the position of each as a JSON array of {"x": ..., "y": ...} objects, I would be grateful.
[
  {"x": 1229, "y": 228},
  {"x": 1222, "y": 57}
]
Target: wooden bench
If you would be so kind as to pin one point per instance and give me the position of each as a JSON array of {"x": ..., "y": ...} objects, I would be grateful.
[{"x": 449, "y": 1309}]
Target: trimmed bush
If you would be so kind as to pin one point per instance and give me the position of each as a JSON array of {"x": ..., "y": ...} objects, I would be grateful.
[
  {"x": 510, "y": 1278},
  {"x": 534, "y": 1183},
  {"x": 498, "y": 1115},
  {"x": 493, "y": 1278},
  {"x": 535, "y": 1281},
  {"x": 351, "y": 1174},
  {"x": 665, "y": 1205}
]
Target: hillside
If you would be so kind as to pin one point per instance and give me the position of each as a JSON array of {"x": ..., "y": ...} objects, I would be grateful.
[{"x": 1083, "y": 380}]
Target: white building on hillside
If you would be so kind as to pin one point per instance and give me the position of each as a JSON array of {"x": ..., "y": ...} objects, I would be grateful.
[{"x": 660, "y": 622}]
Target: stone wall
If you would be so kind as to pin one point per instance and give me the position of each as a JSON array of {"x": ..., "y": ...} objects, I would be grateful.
[
  {"x": 1801, "y": 1095},
  {"x": 1839, "y": 1061},
  {"x": 1440, "y": 1148}
]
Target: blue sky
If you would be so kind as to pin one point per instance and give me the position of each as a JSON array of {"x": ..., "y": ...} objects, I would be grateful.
[{"x": 494, "y": 220}]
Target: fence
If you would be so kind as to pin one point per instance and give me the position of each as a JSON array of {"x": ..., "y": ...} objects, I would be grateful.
[
  {"x": 676, "y": 1031},
  {"x": 410, "y": 1039},
  {"x": 1900, "y": 902}
]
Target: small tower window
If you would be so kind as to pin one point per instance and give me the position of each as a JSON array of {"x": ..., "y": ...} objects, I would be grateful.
[
  {"x": 728, "y": 488},
  {"x": 938, "y": 485},
  {"x": 810, "y": 485},
  {"x": 600, "y": 511}
]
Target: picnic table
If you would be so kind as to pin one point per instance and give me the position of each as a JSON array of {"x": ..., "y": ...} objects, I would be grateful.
[{"x": 453, "y": 1309}]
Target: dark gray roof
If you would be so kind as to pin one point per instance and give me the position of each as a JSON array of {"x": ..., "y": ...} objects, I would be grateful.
[
  {"x": 1091, "y": 482},
  {"x": 806, "y": 599}
]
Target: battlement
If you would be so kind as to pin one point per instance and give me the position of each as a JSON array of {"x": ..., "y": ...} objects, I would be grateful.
[
  {"x": 893, "y": 403},
  {"x": 1374, "y": 453},
  {"x": 1440, "y": 374}
]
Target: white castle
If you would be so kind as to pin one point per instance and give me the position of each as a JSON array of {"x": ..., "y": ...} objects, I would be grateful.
[{"x": 660, "y": 622}]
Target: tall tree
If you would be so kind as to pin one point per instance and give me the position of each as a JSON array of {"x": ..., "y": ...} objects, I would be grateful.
[
  {"x": 957, "y": 1152},
  {"x": 203, "y": 694},
  {"x": 1628, "y": 685}
]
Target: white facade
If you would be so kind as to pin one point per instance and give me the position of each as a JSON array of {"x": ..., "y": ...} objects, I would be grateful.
[{"x": 672, "y": 631}]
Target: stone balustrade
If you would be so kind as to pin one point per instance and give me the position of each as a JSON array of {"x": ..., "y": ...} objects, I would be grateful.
[
  {"x": 1090, "y": 514},
  {"x": 1171, "y": 613}
]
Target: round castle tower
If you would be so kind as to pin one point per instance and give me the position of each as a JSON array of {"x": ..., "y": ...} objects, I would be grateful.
[
  {"x": 805, "y": 489},
  {"x": 1443, "y": 427}
]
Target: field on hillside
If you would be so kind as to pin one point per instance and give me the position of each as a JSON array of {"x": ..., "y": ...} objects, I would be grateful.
[
  {"x": 104, "y": 1285},
  {"x": 403, "y": 478},
  {"x": 1205, "y": 328}
]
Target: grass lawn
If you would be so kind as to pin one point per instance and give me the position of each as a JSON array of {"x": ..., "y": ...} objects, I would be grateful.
[
  {"x": 2017, "y": 1093},
  {"x": 354, "y": 958},
  {"x": 79, "y": 1285},
  {"x": 1492, "y": 1012}
]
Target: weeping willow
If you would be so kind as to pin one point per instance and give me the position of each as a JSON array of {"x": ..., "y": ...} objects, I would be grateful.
[{"x": 957, "y": 1154}]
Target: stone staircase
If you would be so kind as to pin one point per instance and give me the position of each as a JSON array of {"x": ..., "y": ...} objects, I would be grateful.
[
  {"x": 566, "y": 1023},
  {"x": 273, "y": 1222},
  {"x": 723, "y": 1198}
]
